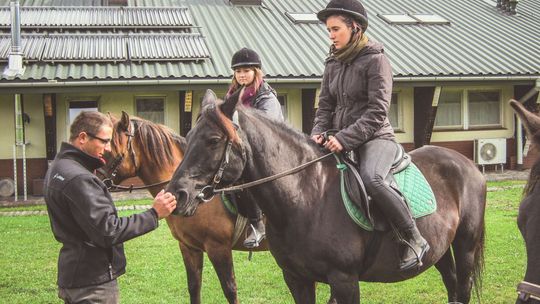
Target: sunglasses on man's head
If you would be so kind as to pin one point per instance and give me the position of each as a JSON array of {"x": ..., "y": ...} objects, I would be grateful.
[{"x": 103, "y": 140}]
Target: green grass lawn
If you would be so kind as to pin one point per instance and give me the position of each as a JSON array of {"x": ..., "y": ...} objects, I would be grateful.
[{"x": 155, "y": 272}]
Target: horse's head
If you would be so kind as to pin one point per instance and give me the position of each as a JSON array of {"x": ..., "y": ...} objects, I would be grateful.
[
  {"x": 215, "y": 155},
  {"x": 121, "y": 161},
  {"x": 531, "y": 121}
]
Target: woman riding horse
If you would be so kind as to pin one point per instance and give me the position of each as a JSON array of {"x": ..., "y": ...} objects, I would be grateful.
[
  {"x": 258, "y": 94},
  {"x": 355, "y": 99}
]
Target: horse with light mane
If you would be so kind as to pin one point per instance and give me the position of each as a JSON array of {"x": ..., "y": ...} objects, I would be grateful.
[{"x": 152, "y": 152}]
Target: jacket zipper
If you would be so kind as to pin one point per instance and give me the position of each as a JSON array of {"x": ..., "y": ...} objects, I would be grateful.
[{"x": 110, "y": 271}]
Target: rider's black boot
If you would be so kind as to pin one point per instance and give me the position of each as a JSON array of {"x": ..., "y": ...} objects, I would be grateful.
[
  {"x": 415, "y": 246},
  {"x": 257, "y": 234}
]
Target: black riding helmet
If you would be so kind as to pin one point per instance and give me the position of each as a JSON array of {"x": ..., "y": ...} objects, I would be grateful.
[
  {"x": 245, "y": 57},
  {"x": 354, "y": 8}
]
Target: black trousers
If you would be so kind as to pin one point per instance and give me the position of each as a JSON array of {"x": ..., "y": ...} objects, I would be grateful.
[
  {"x": 247, "y": 206},
  {"x": 375, "y": 159}
]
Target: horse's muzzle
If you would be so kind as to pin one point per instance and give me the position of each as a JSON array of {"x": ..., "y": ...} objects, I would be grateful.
[{"x": 184, "y": 204}]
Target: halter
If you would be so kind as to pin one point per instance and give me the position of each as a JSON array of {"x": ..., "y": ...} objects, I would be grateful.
[
  {"x": 108, "y": 181},
  {"x": 209, "y": 191},
  {"x": 528, "y": 291}
]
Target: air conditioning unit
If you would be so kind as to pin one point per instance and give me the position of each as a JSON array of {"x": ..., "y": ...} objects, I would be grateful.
[{"x": 490, "y": 151}]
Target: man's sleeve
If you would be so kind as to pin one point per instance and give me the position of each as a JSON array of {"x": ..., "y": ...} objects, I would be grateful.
[{"x": 95, "y": 213}]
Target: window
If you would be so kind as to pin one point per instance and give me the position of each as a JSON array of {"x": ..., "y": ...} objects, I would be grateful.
[
  {"x": 430, "y": 19},
  {"x": 151, "y": 108},
  {"x": 484, "y": 108},
  {"x": 413, "y": 19},
  {"x": 78, "y": 106},
  {"x": 449, "y": 110},
  {"x": 283, "y": 102},
  {"x": 395, "y": 112},
  {"x": 469, "y": 109},
  {"x": 302, "y": 17},
  {"x": 398, "y": 19}
]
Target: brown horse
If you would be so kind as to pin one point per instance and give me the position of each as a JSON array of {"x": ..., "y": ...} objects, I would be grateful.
[
  {"x": 529, "y": 213},
  {"x": 311, "y": 235},
  {"x": 152, "y": 152}
]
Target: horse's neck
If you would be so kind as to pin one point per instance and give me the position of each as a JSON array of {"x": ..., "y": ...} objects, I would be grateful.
[
  {"x": 150, "y": 174},
  {"x": 274, "y": 150}
]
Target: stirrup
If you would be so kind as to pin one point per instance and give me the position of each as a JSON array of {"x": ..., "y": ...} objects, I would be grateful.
[
  {"x": 258, "y": 238},
  {"x": 415, "y": 263}
]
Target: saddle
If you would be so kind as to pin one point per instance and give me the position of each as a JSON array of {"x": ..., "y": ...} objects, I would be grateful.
[{"x": 354, "y": 186}]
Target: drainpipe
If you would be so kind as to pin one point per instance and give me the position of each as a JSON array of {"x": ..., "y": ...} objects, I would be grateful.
[
  {"x": 19, "y": 142},
  {"x": 15, "y": 67}
]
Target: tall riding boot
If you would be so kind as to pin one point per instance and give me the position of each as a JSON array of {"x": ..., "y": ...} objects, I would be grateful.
[
  {"x": 415, "y": 248},
  {"x": 396, "y": 210},
  {"x": 257, "y": 234}
]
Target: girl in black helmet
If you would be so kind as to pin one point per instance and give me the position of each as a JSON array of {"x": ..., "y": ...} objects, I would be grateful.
[
  {"x": 355, "y": 97},
  {"x": 257, "y": 94}
]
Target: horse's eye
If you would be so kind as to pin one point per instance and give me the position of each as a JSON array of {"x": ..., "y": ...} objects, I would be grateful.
[{"x": 214, "y": 140}]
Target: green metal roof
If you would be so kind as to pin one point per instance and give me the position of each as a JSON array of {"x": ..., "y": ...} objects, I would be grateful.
[{"x": 480, "y": 41}]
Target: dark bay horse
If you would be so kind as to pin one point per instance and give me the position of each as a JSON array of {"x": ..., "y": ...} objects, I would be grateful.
[
  {"x": 152, "y": 152},
  {"x": 529, "y": 212},
  {"x": 311, "y": 236}
]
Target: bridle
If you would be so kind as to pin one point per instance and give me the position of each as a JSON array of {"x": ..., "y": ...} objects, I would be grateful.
[
  {"x": 108, "y": 180},
  {"x": 528, "y": 291},
  {"x": 209, "y": 191}
]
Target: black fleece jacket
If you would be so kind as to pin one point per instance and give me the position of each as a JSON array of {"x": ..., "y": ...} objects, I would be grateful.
[{"x": 83, "y": 218}]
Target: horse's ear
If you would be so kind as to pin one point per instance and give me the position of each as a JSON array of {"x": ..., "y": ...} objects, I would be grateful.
[
  {"x": 530, "y": 120},
  {"x": 229, "y": 105},
  {"x": 209, "y": 98},
  {"x": 124, "y": 122}
]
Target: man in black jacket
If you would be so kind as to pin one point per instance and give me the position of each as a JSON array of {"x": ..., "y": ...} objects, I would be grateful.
[{"x": 84, "y": 219}]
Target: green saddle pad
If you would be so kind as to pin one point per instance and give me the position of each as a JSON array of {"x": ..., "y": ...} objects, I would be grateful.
[
  {"x": 413, "y": 186},
  {"x": 230, "y": 206}
]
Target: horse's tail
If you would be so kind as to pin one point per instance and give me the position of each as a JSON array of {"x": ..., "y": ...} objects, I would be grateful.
[{"x": 478, "y": 267}]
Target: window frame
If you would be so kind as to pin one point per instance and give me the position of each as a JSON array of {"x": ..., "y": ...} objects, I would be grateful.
[
  {"x": 284, "y": 106},
  {"x": 399, "y": 114},
  {"x": 465, "y": 113},
  {"x": 163, "y": 99}
]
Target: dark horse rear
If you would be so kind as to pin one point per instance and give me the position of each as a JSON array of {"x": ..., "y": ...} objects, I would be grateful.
[
  {"x": 529, "y": 213},
  {"x": 311, "y": 235}
]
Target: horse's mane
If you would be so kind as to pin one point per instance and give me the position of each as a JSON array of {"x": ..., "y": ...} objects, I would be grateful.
[
  {"x": 157, "y": 141},
  {"x": 284, "y": 130},
  {"x": 534, "y": 175}
]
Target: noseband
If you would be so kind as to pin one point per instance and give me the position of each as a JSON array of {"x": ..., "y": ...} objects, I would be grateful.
[
  {"x": 528, "y": 291},
  {"x": 130, "y": 133}
]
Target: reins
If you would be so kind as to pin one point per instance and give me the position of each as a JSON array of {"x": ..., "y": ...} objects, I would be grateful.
[
  {"x": 119, "y": 188},
  {"x": 270, "y": 178}
]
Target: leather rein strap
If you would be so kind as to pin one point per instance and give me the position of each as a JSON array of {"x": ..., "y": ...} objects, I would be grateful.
[
  {"x": 528, "y": 290},
  {"x": 270, "y": 178}
]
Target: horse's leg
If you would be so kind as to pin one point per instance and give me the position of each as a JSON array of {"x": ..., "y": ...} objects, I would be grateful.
[
  {"x": 221, "y": 257},
  {"x": 344, "y": 288},
  {"x": 302, "y": 290},
  {"x": 447, "y": 268},
  {"x": 467, "y": 249},
  {"x": 193, "y": 261}
]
